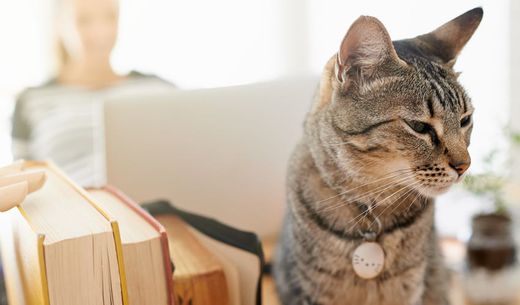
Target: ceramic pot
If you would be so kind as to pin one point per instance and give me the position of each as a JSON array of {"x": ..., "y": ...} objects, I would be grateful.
[
  {"x": 491, "y": 245},
  {"x": 492, "y": 271}
]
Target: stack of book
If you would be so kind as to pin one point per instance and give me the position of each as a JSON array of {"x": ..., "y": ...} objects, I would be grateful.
[{"x": 68, "y": 245}]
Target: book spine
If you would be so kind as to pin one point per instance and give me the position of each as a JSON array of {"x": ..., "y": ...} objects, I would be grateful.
[
  {"x": 43, "y": 298},
  {"x": 168, "y": 266},
  {"x": 120, "y": 262},
  {"x": 43, "y": 270}
]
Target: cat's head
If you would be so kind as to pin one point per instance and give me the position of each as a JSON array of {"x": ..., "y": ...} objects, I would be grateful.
[{"x": 397, "y": 107}]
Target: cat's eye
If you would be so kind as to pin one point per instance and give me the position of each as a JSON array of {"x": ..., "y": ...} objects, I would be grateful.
[
  {"x": 420, "y": 127},
  {"x": 423, "y": 128},
  {"x": 465, "y": 121}
]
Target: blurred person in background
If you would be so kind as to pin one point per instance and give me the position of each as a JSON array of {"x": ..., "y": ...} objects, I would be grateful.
[{"x": 61, "y": 120}]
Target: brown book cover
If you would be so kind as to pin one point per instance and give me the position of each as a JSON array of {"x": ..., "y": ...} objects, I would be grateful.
[{"x": 236, "y": 249}]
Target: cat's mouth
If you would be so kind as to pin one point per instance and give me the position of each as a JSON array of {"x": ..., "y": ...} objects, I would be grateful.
[{"x": 435, "y": 182}]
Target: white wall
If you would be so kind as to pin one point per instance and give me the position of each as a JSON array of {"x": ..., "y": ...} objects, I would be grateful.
[{"x": 202, "y": 43}]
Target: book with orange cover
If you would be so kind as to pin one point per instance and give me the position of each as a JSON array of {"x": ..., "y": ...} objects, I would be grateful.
[
  {"x": 148, "y": 268},
  {"x": 60, "y": 248},
  {"x": 216, "y": 264},
  {"x": 200, "y": 276}
]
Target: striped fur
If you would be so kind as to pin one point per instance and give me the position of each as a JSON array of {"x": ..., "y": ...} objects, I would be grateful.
[{"x": 361, "y": 151}]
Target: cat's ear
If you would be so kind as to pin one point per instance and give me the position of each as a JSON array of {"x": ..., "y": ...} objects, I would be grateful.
[
  {"x": 365, "y": 46},
  {"x": 446, "y": 42}
]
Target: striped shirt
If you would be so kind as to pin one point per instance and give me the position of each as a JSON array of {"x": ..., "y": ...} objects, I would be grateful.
[{"x": 64, "y": 124}]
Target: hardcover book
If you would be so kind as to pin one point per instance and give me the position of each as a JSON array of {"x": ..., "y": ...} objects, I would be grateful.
[
  {"x": 214, "y": 263},
  {"x": 146, "y": 255},
  {"x": 60, "y": 248}
]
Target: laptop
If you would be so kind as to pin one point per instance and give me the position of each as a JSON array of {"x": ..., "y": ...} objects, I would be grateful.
[{"x": 220, "y": 152}]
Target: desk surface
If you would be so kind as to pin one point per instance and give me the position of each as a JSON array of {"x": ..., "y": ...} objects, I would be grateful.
[
  {"x": 454, "y": 251},
  {"x": 269, "y": 296}
]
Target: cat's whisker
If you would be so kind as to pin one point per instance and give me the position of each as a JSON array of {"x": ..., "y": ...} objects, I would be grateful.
[
  {"x": 411, "y": 204},
  {"x": 365, "y": 213},
  {"x": 387, "y": 176},
  {"x": 380, "y": 189},
  {"x": 358, "y": 219},
  {"x": 382, "y": 200},
  {"x": 407, "y": 193},
  {"x": 376, "y": 191},
  {"x": 417, "y": 195},
  {"x": 406, "y": 186},
  {"x": 379, "y": 203}
]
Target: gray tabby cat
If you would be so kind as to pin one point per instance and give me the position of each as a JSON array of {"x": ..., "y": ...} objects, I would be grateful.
[{"x": 388, "y": 130}]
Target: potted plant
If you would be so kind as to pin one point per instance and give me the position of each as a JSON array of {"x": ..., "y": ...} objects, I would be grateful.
[{"x": 492, "y": 266}]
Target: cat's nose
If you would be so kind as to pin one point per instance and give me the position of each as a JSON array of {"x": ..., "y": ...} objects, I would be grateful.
[
  {"x": 458, "y": 158},
  {"x": 460, "y": 167}
]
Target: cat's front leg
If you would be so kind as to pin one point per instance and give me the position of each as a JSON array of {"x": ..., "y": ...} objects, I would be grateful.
[{"x": 438, "y": 279}]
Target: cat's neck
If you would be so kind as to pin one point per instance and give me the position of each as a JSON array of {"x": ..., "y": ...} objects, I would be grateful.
[{"x": 351, "y": 205}]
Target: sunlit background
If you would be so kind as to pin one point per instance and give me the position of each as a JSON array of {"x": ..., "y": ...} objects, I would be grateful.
[{"x": 203, "y": 43}]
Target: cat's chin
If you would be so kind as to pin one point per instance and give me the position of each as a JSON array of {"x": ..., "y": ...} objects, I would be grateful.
[{"x": 432, "y": 192}]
